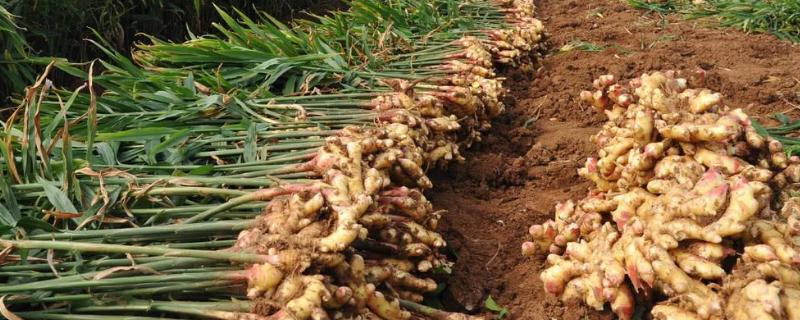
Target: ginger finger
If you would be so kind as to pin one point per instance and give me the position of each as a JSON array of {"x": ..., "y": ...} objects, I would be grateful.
[
  {"x": 347, "y": 227},
  {"x": 598, "y": 205},
  {"x": 676, "y": 282},
  {"x": 661, "y": 186},
  {"x": 676, "y": 230},
  {"x": 757, "y": 300},
  {"x": 759, "y": 253},
  {"x": 743, "y": 205},
  {"x": 627, "y": 204},
  {"x": 643, "y": 127},
  {"x": 389, "y": 310},
  {"x": 543, "y": 236},
  {"x": 684, "y": 169},
  {"x": 767, "y": 233},
  {"x": 559, "y": 273},
  {"x": 729, "y": 165},
  {"x": 710, "y": 193},
  {"x": 755, "y": 140},
  {"x": 639, "y": 269},
  {"x": 622, "y": 302},
  {"x": 790, "y": 299},
  {"x": 778, "y": 157},
  {"x": 698, "y": 267},
  {"x": 704, "y": 100},
  {"x": 305, "y": 305},
  {"x": 709, "y": 251},
  {"x": 262, "y": 278},
  {"x": 670, "y": 312},
  {"x": 339, "y": 297},
  {"x": 406, "y": 280}
]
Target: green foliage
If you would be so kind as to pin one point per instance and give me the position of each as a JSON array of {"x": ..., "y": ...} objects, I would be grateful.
[
  {"x": 779, "y": 17},
  {"x": 58, "y": 28},
  {"x": 661, "y": 7},
  {"x": 786, "y": 132},
  {"x": 582, "y": 45},
  {"x": 15, "y": 73},
  {"x": 492, "y": 306}
]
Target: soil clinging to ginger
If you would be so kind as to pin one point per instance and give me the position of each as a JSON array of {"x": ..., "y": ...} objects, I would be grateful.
[{"x": 529, "y": 161}]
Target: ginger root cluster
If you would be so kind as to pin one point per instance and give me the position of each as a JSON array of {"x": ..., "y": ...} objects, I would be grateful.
[
  {"x": 689, "y": 211},
  {"x": 361, "y": 239}
]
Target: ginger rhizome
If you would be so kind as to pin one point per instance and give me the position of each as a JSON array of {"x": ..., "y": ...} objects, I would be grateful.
[
  {"x": 686, "y": 209},
  {"x": 363, "y": 238}
]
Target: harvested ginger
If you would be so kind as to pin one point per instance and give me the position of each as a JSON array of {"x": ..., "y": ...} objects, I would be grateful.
[{"x": 683, "y": 205}]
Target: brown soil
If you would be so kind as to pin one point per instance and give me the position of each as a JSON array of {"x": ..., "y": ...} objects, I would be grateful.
[{"x": 529, "y": 160}]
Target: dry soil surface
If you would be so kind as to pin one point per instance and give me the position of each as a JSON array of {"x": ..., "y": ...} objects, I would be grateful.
[{"x": 529, "y": 160}]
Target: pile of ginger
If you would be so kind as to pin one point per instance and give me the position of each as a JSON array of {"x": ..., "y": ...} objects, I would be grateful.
[
  {"x": 361, "y": 242},
  {"x": 690, "y": 212}
]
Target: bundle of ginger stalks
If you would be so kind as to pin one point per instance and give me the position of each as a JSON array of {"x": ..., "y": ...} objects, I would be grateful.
[
  {"x": 191, "y": 187},
  {"x": 690, "y": 211}
]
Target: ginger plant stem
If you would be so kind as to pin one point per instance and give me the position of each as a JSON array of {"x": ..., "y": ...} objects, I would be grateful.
[{"x": 151, "y": 250}]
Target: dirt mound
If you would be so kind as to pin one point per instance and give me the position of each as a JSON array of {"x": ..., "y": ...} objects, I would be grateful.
[{"x": 529, "y": 161}]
